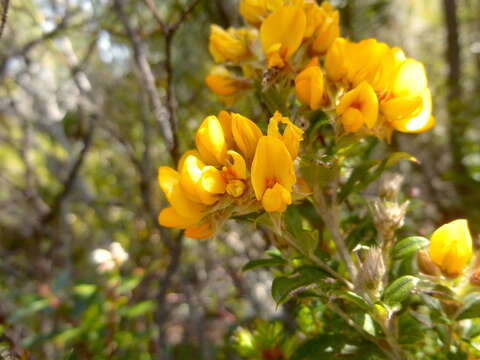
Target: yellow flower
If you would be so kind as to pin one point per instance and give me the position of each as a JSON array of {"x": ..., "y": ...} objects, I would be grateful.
[
  {"x": 309, "y": 87},
  {"x": 336, "y": 60},
  {"x": 246, "y": 135},
  {"x": 409, "y": 105},
  {"x": 183, "y": 211},
  {"x": 323, "y": 25},
  {"x": 417, "y": 123},
  {"x": 235, "y": 175},
  {"x": 201, "y": 183},
  {"x": 226, "y": 85},
  {"x": 358, "y": 107},
  {"x": 273, "y": 174},
  {"x": 211, "y": 142},
  {"x": 254, "y": 11},
  {"x": 292, "y": 134},
  {"x": 281, "y": 34},
  {"x": 451, "y": 247},
  {"x": 230, "y": 45}
]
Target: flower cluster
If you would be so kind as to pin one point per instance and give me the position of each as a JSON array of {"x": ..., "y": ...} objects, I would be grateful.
[
  {"x": 234, "y": 170},
  {"x": 365, "y": 86}
]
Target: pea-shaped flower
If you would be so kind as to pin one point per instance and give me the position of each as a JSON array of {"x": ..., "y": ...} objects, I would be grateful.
[
  {"x": 282, "y": 33},
  {"x": 230, "y": 45},
  {"x": 451, "y": 247},
  {"x": 273, "y": 174},
  {"x": 358, "y": 107}
]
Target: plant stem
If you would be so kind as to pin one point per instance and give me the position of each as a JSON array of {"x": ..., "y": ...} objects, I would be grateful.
[
  {"x": 278, "y": 229},
  {"x": 330, "y": 216}
]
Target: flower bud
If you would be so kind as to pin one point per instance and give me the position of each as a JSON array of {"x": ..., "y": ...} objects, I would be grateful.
[
  {"x": 373, "y": 270},
  {"x": 230, "y": 45},
  {"x": 388, "y": 216},
  {"x": 451, "y": 247},
  {"x": 254, "y": 11},
  {"x": 309, "y": 87},
  {"x": 211, "y": 142},
  {"x": 246, "y": 135},
  {"x": 323, "y": 23},
  {"x": 226, "y": 85},
  {"x": 390, "y": 186}
]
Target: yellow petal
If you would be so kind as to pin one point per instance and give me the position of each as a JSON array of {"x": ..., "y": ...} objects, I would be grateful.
[
  {"x": 421, "y": 122},
  {"x": 236, "y": 188},
  {"x": 326, "y": 31},
  {"x": 272, "y": 164},
  {"x": 276, "y": 199},
  {"x": 253, "y": 11},
  {"x": 292, "y": 134},
  {"x": 190, "y": 175},
  {"x": 363, "y": 99},
  {"x": 169, "y": 217},
  {"x": 201, "y": 231},
  {"x": 229, "y": 45},
  {"x": 335, "y": 60},
  {"x": 211, "y": 142},
  {"x": 212, "y": 180},
  {"x": 246, "y": 134},
  {"x": 225, "y": 119},
  {"x": 451, "y": 247},
  {"x": 309, "y": 87},
  {"x": 411, "y": 79},
  {"x": 285, "y": 26},
  {"x": 169, "y": 181},
  {"x": 401, "y": 108},
  {"x": 223, "y": 83},
  {"x": 352, "y": 120},
  {"x": 238, "y": 168}
]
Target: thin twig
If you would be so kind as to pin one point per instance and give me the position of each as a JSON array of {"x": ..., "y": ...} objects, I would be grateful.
[
  {"x": 3, "y": 20},
  {"x": 161, "y": 114}
]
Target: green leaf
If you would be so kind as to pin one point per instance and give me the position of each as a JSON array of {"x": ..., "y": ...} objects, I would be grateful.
[
  {"x": 353, "y": 298},
  {"x": 408, "y": 246},
  {"x": 284, "y": 287},
  {"x": 306, "y": 239},
  {"x": 370, "y": 171},
  {"x": 262, "y": 263},
  {"x": 400, "y": 289},
  {"x": 31, "y": 309},
  {"x": 139, "y": 309},
  {"x": 84, "y": 290},
  {"x": 320, "y": 347},
  {"x": 470, "y": 308}
]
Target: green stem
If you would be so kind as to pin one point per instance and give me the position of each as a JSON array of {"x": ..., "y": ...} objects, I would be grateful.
[
  {"x": 330, "y": 216},
  {"x": 278, "y": 229}
]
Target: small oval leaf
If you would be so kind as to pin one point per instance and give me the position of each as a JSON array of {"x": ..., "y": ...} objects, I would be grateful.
[
  {"x": 408, "y": 246},
  {"x": 470, "y": 308},
  {"x": 284, "y": 287},
  {"x": 262, "y": 263},
  {"x": 400, "y": 289}
]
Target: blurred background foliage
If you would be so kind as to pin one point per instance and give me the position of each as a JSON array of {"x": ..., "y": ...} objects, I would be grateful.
[{"x": 82, "y": 134}]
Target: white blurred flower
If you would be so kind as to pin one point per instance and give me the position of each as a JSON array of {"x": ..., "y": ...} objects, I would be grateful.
[
  {"x": 119, "y": 254},
  {"x": 107, "y": 260}
]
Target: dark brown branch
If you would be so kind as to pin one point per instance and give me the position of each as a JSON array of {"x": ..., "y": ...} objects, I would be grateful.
[
  {"x": 57, "y": 203},
  {"x": 3, "y": 20}
]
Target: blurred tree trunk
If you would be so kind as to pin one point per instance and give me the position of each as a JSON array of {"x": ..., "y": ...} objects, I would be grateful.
[{"x": 457, "y": 124}]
